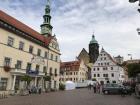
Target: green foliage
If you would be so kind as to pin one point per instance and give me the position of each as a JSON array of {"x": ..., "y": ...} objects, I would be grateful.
[
  {"x": 47, "y": 78},
  {"x": 133, "y": 69},
  {"x": 93, "y": 79},
  {"x": 61, "y": 86},
  {"x": 26, "y": 78}
]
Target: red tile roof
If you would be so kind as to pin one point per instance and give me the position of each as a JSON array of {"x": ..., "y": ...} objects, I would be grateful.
[
  {"x": 26, "y": 29},
  {"x": 70, "y": 66}
]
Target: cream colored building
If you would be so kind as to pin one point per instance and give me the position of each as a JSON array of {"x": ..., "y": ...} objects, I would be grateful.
[
  {"x": 75, "y": 71},
  {"x": 23, "y": 51}
]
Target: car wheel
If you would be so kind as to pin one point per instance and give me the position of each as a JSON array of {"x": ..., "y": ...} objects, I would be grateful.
[{"x": 106, "y": 92}]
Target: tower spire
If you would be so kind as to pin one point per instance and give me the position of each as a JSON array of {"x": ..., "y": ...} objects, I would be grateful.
[
  {"x": 48, "y": 2},
  {"x": 46, "y": 28}
]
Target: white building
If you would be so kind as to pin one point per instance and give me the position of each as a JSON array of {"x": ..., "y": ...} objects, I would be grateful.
[{"x": 106, "y": 70}]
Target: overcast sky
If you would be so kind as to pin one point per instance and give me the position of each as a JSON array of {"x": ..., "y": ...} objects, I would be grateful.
[{"x": 114, "y": 23}]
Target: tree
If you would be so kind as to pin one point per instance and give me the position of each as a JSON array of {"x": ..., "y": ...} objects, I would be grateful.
[
  {"x": 26, "y": 78},
  {"x": 133, "y": 69},
  {"x": 93, "y": 79}
]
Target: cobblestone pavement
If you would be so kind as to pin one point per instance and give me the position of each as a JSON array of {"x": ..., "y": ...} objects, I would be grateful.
[{"x": 74, "y": 97}]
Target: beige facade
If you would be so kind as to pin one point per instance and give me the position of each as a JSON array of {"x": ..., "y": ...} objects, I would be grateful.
[
  {"x": 75, "y": 71},
  {"x": 15, "y": 52}
]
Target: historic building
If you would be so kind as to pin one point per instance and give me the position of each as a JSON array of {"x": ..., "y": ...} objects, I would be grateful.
[
  {"x": 93, "y": 50},
  {"x": 75, "y": 71},
  {"x": 106, "y": 70},
  {"x": 118, "y": 59},
  {"x": 90, "y": 57},
  {"x": 24, "y": 51}
]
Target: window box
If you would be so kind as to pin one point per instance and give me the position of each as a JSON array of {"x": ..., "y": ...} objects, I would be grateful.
[{"x": 7, "y": 68}]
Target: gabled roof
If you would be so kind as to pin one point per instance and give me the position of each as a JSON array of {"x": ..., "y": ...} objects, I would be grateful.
[
  {"x": 24, "y": 28},
  {"x": 109, "y": 56},
  {"x": 72, "y": 65},
  {"x": 83, "y": 51}
]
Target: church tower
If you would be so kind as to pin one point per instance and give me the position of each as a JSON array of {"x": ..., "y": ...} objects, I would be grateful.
[
  {"x": 93, "y": 50},
  {"x": 46, "y": 28}
]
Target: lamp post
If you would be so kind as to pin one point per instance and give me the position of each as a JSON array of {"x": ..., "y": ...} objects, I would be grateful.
[
  {"x": 138, "y": 30},
  {"x": 130, "y": 56},
  {"x": 133, "y": 1}
]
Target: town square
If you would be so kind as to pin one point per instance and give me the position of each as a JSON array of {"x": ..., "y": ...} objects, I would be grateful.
[{"x": 69, "y": 52}]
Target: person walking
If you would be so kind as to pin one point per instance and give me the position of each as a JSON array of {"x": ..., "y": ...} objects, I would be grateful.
[
  {"x": 39, "y": 90},
  {"x": 94, "y": 87}
]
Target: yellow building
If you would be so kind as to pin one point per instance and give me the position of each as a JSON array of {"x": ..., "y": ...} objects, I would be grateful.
[
  {"x": 23, "y": 51},
  {"x": 75, "y": 71}
]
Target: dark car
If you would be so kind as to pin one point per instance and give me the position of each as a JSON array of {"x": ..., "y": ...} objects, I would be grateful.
[{"x": 112, "y": 89}]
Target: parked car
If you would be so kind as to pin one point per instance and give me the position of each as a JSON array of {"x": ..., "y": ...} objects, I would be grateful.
[{"x": 112, "y": 88}]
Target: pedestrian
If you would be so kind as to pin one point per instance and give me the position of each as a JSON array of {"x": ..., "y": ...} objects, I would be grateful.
[
  {"x": 39, "y": 90},
  {"x": 98, "y": 88},
  {"x": 94, "y": 87}
]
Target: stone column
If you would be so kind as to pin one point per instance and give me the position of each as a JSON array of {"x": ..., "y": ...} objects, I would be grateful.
[
  {"x": 13, "y": 84},
  {"x": 35, "y": 81}
]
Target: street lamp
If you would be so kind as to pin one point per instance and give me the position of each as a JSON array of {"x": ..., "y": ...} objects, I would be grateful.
[
  {"x": 130, "y": 56},
  {"x": 133, "y": 1},
  {"x": 138, "y": 30}
]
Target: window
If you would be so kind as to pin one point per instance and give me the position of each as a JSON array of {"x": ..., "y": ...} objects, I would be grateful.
[
  {"x": 101, "y": 63},
  {"x": 55, "y": 71},
  {"x": 46, "y": 55},
  {"x": 38, "y": 52},
  {"x": 47, "y": 20},
  {"x": 21, "y": 45},
  {"x": 44, "y": 69},
  {"x": 105, "y": 75},
  {"x": 31, "y": 49},
  {"x": 3, "y": 84},
  {"x": 98, "y": 64},
  {"x": 66, "y": 73},
  {"x": 7, "y": 61},
  {"x": 98, "y": 69},
  {"x": 94, "y": 69},
  {"x": 37, "y": 67},
  {"x": 10, "y": 41},
  {"x": 113, "y": 81},
  {"x": 19, "y": 64},
  {"x": 108, "y": 63},
  {"x": 50, "y": 71},
  {"x": 94, "y": 75},
  {"x": 105, "y": 58},
  {"x": 51, "y": 56},
  {"x": 56, "y": 58},
  {"x": 98, "y": 75},
  {"x": 29, "y": 65},
  {"x": 111, "y": 68},
  {"x": 112, "y": 74}
]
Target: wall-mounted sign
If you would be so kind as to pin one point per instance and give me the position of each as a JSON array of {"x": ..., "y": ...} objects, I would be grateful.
[
  {"x": 38, "y": 60},
  {"x": 32, "y": 72}
]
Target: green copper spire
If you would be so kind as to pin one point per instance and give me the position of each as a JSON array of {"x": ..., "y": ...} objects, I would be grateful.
[
  {"x": 46, "y": 28},
  {"x": 93, "y": 40}
]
